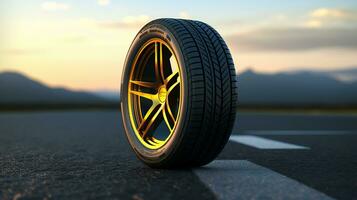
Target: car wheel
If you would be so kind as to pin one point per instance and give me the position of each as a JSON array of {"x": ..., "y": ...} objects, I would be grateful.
[{"x": 179, "y": 95}]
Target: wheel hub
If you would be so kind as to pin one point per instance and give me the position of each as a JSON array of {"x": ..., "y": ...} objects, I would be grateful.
[{"x": 162, "y": 94}]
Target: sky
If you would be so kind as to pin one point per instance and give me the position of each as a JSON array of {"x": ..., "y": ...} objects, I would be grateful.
[{"x": 82, "y": 44}]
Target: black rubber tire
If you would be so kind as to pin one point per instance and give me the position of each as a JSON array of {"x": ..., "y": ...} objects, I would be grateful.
[{"x": 210, "y": 94}]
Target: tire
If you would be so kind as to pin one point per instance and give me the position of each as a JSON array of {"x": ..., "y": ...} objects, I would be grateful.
[{"x": 185, "y": 67}]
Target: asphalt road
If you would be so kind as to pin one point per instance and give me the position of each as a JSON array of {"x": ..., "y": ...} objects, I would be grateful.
[{"x": 83, "y": 154}]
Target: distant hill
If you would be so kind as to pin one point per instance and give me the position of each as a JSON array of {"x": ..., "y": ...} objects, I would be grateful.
[
  {"x": 108, "y": 94},
  {"x": 16, "y": 88},
  {"x": 299, "y": 88},
  {"x": 346, "y": 74}
]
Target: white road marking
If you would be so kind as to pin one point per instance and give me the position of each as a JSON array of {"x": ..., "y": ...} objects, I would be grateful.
[
  {"x": 241, "y": 179},
  {"x": 298, "y": 132},
  {"x": 263, "y": 143}
]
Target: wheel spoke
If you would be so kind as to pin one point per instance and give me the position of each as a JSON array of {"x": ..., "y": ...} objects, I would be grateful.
[
  {"x": 172, "y": 75},
  {"x": 144, "y": 84},
  {"x": 169, "y": 111},
  {"x": 145, "y": 95},
  {"x": 157, "y": 68},
  {"x": 159, "y": 65},
  {"x": 147, "y": 115},
  {"x": 173, "y": 86},
  {"x": 166, "y": 119},
  {"x": 151, "y": 121}
]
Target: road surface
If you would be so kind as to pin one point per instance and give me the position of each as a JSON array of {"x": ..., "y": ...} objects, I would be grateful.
[{"x": 83, "y": 154}]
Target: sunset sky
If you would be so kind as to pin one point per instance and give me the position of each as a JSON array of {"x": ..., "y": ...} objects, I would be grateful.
[{"x": 82, "y": 44}]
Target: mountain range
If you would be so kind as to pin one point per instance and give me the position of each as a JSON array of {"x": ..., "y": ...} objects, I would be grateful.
[
  {"x": 16, "y": 88},
  {"x": 287, "y": 88},
  {"x": 348, "y": 74},
  {"x": 295, "y": 88}
]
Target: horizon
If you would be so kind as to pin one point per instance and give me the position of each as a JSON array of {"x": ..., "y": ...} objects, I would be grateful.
[
  {"x": 320, "y": 89},
  {"x": 322, "y": 73},
  {"x": 82, "y": 45}
]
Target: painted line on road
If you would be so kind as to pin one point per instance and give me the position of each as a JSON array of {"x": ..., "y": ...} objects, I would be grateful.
[
  {"x": 298, "y": 132},
  {"x": 241, "y": 179},
  {"x": 263, "y": 143}
]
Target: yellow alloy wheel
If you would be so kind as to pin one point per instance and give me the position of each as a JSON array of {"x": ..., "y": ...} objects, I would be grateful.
[{"x": 158, "y": 82}]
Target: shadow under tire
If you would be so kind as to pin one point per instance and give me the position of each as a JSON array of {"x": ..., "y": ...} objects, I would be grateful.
[{"x": 178, "y": 94}]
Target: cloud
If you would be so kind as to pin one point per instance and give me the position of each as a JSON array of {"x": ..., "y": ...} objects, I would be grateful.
[
  {"x": 331, "y": 13},
  {"x": 294, "y": 39},
  {"x": 126, "y": 22},
  {"x": 330, "y": 16},
  {"x": 184, "y": 15},
  {"x": 313, "y": 23},
  {"x": 135, "y": 19},
  {"x": 54, "y": 6},
  {"x": 73, "y": 39},
  {"x": 19, "y": 51},
  {"x": 103, "y": 2}
]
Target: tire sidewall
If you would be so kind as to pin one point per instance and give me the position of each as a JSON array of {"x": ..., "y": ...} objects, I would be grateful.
[{"x": 154, "y": 157}]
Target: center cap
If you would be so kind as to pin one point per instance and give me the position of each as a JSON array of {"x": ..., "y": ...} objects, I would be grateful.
[{"x": 162, "y": 94}]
